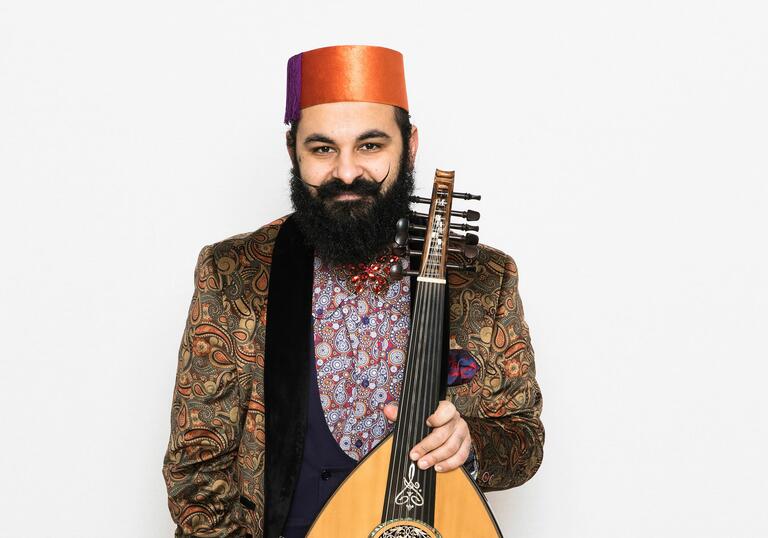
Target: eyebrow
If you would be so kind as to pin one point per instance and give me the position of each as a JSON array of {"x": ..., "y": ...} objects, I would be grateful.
[{"x": 371, "y": 133}]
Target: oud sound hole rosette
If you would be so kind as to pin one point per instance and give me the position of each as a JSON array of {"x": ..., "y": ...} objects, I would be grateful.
[{"x": 404, "y": 528}]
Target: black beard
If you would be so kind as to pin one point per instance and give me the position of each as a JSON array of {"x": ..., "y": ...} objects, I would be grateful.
[{"x": 352, "y": 231}]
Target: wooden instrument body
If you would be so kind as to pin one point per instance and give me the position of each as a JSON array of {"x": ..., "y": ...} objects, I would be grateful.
[{"x": 354, "y": 510}]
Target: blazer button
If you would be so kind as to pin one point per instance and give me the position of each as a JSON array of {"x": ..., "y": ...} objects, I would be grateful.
[{"x": 325, "y": 474}]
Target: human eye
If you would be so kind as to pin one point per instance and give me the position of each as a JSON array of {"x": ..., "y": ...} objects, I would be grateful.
[
  {"x": 320, "y": 150},
  {"x": 370, "y": 146}
]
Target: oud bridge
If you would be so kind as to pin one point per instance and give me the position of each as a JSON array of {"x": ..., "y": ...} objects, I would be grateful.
[{"x": 404, "y": 528}]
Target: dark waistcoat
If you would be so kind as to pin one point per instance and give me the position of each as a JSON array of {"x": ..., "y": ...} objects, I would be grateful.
[{"x": 324, "y": 465}]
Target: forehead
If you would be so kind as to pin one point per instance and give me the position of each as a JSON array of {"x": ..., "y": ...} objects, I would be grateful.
[{"x": 347, "y": 119}]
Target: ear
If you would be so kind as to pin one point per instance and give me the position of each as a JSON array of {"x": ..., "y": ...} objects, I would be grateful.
[{"x": 413, "y": 145}]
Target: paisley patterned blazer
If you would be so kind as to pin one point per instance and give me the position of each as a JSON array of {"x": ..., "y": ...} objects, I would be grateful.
[{"x": 239, "y": 403}]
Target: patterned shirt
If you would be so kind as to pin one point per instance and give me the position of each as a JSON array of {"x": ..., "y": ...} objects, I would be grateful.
[{"x": 361, "y": 342}]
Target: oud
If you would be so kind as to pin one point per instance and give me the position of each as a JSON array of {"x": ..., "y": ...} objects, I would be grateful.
[{"x": 387, "y": 495}]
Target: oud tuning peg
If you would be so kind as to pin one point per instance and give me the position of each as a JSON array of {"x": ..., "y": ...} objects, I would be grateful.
[
  {"x": 472, "y": 268},
  {"x": 470, "y": 251},
  {"x": 404, "y": 226},
  {"x": 401, "y": 232},
  {"x": 469, "y": 215},
  {"x": 471, "y": 239},
  {"x": 466, "y": 239},
  {"x": 466, "y": 196},
  {"x": 464, "y": 227},
  {"x": 400, "y": 250},
  {"x": 405, "y": 251},
  {"x": 416, "y": 214},
  {"x": 396, "y": 270},
  {"x": 419, "y": 200}
]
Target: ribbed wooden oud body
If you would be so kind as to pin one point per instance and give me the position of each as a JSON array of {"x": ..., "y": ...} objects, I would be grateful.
[{"x": 355, "y": 508}]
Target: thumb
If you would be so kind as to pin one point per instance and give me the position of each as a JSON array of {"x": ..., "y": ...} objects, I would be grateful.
[{"x": 390, "y": 411}]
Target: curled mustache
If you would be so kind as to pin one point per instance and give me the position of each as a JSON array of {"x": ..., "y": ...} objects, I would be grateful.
[{"x": 361, "y": 186}]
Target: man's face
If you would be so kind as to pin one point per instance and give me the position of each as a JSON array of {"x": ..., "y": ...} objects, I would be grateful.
[
  {"x": 351, "y": 177},
  {"x": 346, "y": 141}
]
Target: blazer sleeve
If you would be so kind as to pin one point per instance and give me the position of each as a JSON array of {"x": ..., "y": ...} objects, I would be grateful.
[
  {"x": 199, "y": 464},
  {"x": 507, "y": 434}
]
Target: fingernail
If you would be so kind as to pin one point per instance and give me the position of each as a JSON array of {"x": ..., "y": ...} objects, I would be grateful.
[
  {"x": 438, "y": 468},
  {"x": 422, "y": 464},
  {"x": 414, "y": 455}
]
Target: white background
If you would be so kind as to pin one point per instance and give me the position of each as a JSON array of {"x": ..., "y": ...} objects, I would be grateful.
[{"x": 620, "y": 148}]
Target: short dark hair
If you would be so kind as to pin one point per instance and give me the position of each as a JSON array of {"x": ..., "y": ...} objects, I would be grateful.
[{"x": 402, "y": 118}]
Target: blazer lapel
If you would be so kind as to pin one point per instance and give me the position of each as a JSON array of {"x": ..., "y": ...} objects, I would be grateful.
[{"x": 286, "y": 370}]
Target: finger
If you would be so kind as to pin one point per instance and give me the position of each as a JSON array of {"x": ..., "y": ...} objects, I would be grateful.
[
  {"x": 390, "y": 411},
  {"x": 445, "y": 412},
  {"x": 445, "y": 451},
  {"x": 437, "y": 437},
  {"x": 457, "y": 460}
]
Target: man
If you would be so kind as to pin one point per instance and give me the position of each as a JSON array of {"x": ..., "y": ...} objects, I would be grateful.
[{"x": 292, "y": 357}]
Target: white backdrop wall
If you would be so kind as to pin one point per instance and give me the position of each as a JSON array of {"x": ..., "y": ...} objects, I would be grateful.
[{"x": 620, "y": 148}]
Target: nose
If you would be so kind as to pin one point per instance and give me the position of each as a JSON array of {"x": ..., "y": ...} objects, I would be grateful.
[{"x": 347, "y": 167}]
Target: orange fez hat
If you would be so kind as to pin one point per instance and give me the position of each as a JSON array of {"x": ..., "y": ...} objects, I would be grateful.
[{"x": 344, "y": 73}]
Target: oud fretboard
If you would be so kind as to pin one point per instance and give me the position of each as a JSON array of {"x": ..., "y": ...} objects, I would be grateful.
[{"x": 411, "y": 491}]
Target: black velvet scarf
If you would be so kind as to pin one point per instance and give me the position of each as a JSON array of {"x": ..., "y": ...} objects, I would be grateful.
[{"x": 286, "y": 370}]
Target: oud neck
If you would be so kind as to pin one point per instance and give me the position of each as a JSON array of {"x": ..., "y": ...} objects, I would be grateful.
[
  {"x": 418, "y": 400},
  {"x": 410, "y": 490},
  {"x": 421, "y": 386}
]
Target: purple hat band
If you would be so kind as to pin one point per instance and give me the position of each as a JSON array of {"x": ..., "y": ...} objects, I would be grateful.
[{"x": 293, "y": 89}]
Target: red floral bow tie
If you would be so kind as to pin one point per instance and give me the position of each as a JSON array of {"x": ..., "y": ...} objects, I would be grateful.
[{"x": 374, "y": 274}]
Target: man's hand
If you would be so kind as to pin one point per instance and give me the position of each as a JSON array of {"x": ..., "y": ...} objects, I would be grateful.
[{"x": 447, "y": 446}]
